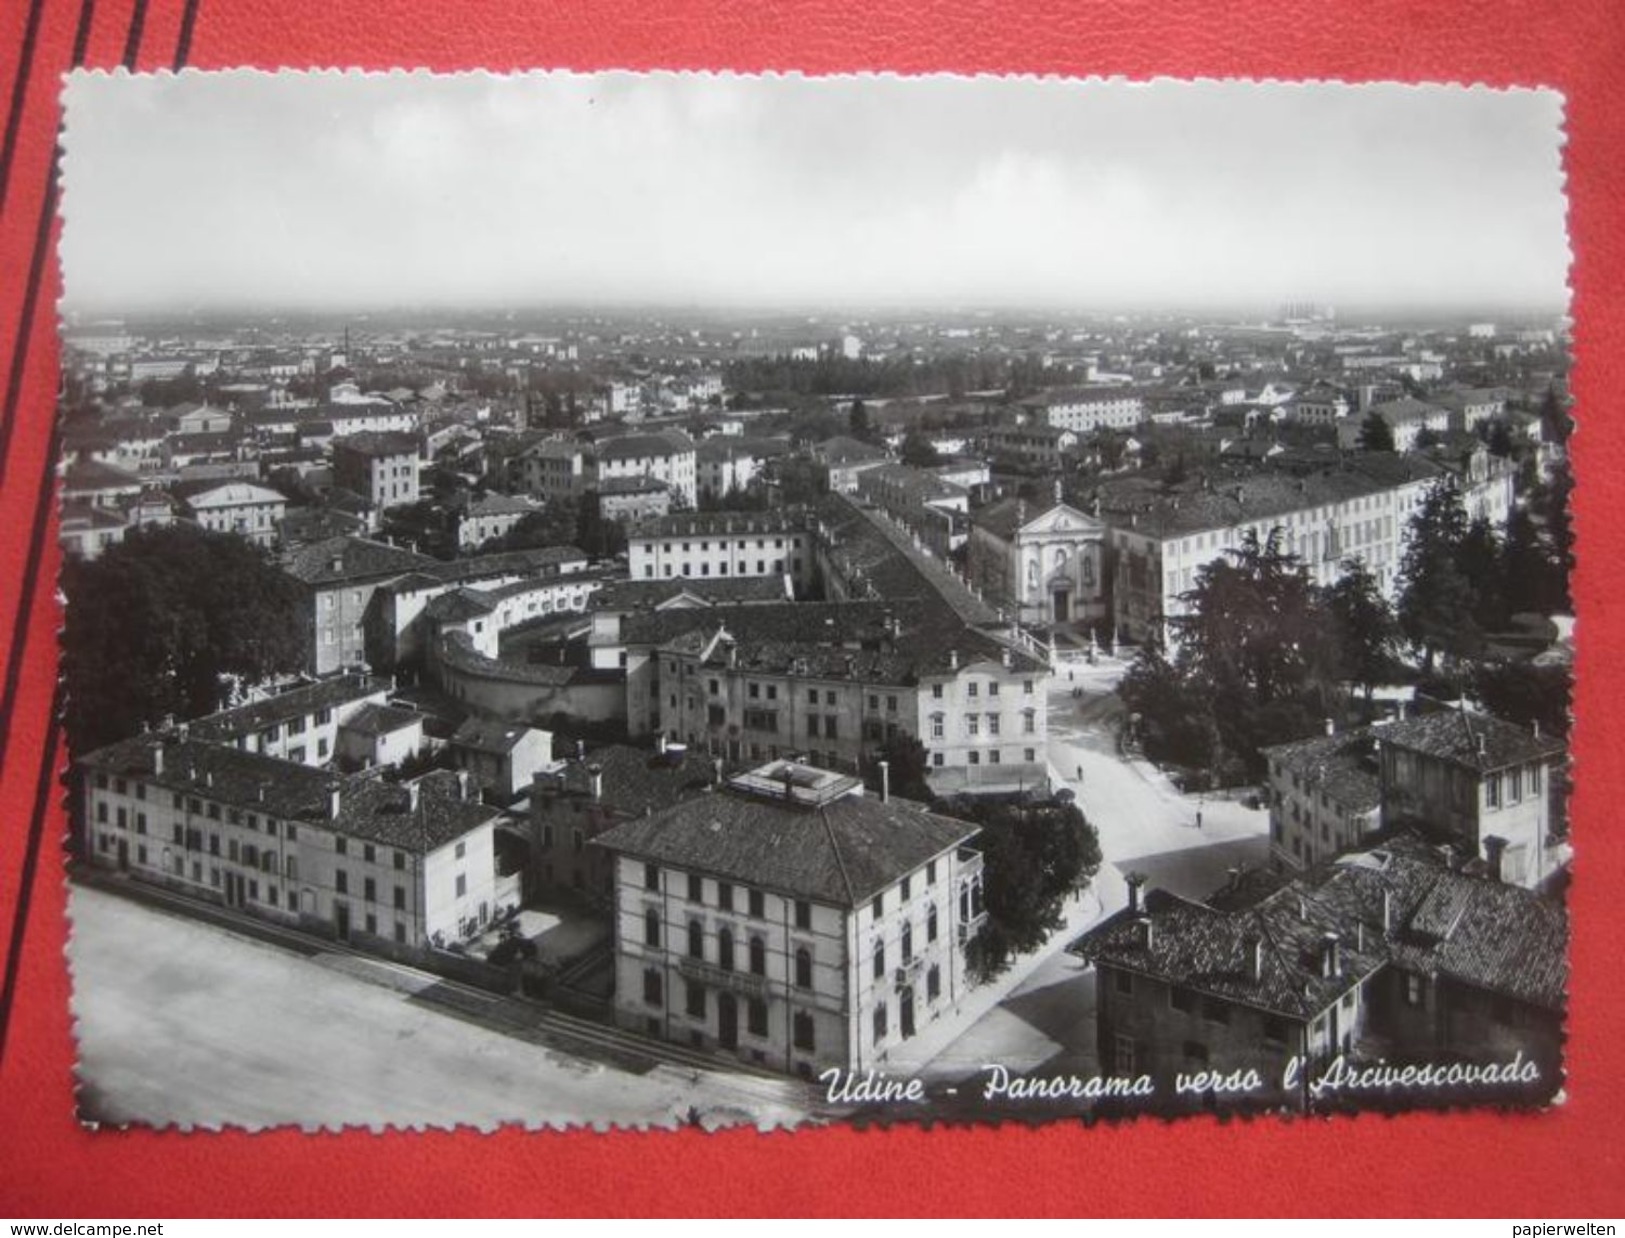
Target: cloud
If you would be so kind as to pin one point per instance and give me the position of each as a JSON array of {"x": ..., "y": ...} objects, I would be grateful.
[{"x": 349, "y": 190}]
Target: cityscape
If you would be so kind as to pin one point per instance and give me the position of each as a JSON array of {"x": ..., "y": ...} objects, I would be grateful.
[{"x": 650, "y": 715}]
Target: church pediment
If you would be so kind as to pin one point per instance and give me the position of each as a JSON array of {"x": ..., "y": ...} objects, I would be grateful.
[{"x": 1062, "y": 519}]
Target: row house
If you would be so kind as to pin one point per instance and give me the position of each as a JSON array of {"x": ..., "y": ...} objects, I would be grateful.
[
  {"x": 300, "y": 725},
  {"x": 792, "y": 921},
  {"x": 666, "y": 455},
  {"x": 1084, "y": 412},
  {"x": 725, "y": 545},
  {"x": 1389, "y": 955},
  {"x": 411, "y": 866},
  {"x": 836, "y": 681},
  {"x": 1160, "y": 536}
]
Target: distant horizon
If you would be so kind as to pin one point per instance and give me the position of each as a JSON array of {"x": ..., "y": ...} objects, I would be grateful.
[{"x": 333, "y": 190}]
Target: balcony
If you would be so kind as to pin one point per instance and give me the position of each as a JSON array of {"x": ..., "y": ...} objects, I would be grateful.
[
  {"x": 969, "y": 928},
  {"x": 905, "y": 976},
  {"x": 739, "y": 982}
]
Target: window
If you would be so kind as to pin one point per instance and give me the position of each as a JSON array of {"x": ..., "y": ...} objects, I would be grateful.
[
  {"x": 908, "y": 943},
  {"x": 880, "y": 960},
  {"x": 804, "y": 970},
  {"x": 340, "y": 845},
  {"x": 880, "y": 1022},
  {"x": 725, "y": 896},
  {"x": 341, "y": 882},
  {"x": 936, "y": 692},
  {"x": 880, "y": 905},
  {"x": 461, "y": 850},
  {"x": 696, "y": 939},
  {"x": 931, "y": 923},
  {"x": 651, "y": 927},
  {"x": 651, "y": 876},
  {"x": 905, "y": 889},
  {"x": 1514, "y": 785},
  {"x": 804, "y": 1031},
  {"x": 756, "y": 1017},
  {"x": 971, "y": 688},
  {"x": 993, "y": 724},
  {"x": 933, "y": 983},
  {"x": 803, "y": 914},
  {"x": 993, "y": 687},
  {"x": 1124, "y": 982},
  {"x": 1181, "y": 999},
  {"x": 1275, "y": 1029},
  {"x": 1413, "y": 989},
  {"x": 694, "y": 999},
  {"x": 1534, "y": 780},
  {"x": 462, "y": 885},
  {"x": 758, "y": 957},
  {"x": 757, "y": 903},
  {"x": 1492, "y": 791},
  {"x": 651, "y": 986},
  {"x": 1026, "y": 687},
  {"x": 973, "y": 725},
  {"x": 369, "y": 890},
  {"x": 400, "y": 898},
  {"x": 1215, "y": 1011},
  {"x": 696, "y": 888},
  {"x": 725, "y": 949},
  {"x": 937, "y": 728},
  {"x": 1123, "y": 1055},
  {"x": 1029, "y": 720}
]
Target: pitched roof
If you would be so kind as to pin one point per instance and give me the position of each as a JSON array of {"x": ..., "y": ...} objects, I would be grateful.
[
  {"x": 1342, "y": 766},
  {"x": 635, "y": 781},
  {"x": 235, "y": 494},
  {"x": 843, "y": 852},
  {"x": 345, "y": 558},
  {"x": 381, "y": 720},
  {"x": 490, "y": 735},
  {"x": 226, "y": 725},
  {"x": 1479, "y": 742}
]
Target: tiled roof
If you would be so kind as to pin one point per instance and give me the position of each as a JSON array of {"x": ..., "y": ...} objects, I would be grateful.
[
  {"x": 1440, "y": 922},
  {"x": 221, "y": 773},
  {"x": 489, "y": 735},
  {"x": 381, "y": 720},
  {"x": 379, "y": 443},
  {"x": 1342, "y": 766},
  {"x": 228, "y": 724},
  {"x": 634, "y": 595},
  {"x": 842, "y": 853},
  {"x": 235, "y": 494},
  {"x": 340, "y": 559},
  {"x": 384, "y": 812},
  {"x": 635, "y": 781},
  {"x": 94, "y": 475},
  {"x": 637, "y": 446},
  {"x": 1475, "y": 741},
  {"x": 729, "y": 524}
]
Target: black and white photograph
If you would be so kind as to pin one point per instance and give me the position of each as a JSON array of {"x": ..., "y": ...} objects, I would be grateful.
[{"x": 659, "y": 600}]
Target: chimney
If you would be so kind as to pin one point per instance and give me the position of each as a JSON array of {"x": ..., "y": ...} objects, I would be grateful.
[
  {"x": 1331, "y": 726},
  {"x": 885, "y": 781},
  {"x": 333, "y": 803},
  {"x": 1254, "y": 946},
  {"x": 1387, "y": 912},
  {"x": 1494, "y": 848},
  {"x": 1331, "y": 955},
  {"x": 1142, "y": 932},
  {"x": 462, "y": 784},
  {"x": 789, "y": 783},
  {"x": 716, "y": 771},
  {"x": 412, "y": 796},
  {"x": 581, "y": 750},
  {"x": 1534, "y": 726},
  {"x": 1135, "y": 882},
  {"x": 660, "y": 743},
  {"x": 158, "y": 759},
  {"x": 953, "y": 659},
  {"x": 1479, "y": 743}
]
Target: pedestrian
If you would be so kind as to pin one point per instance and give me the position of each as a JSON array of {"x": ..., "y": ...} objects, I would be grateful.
[
  {"x": 1198, "y": 818},
  {"x": 1080, "y": 773}
]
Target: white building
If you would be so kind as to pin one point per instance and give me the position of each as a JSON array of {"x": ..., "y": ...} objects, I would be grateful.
[
  {"x": 299, "y": 725},
  {"x": 411, "y": 866},
  {"x": 792, "y": 920},
  {"x": 242, "y": 508},
  {"x": 1084, "y": 411},
  {"x": 701, "y": 545}
]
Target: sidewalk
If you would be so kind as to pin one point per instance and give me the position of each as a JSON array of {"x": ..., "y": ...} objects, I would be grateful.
[{"x": 1099, "y": 899}]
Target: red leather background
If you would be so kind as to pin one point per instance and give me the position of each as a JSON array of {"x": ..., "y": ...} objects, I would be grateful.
[{"x": 1566, "y": 1162}]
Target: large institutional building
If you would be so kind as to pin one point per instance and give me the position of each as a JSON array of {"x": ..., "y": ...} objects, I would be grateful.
[{"x": 792, "y": 920}]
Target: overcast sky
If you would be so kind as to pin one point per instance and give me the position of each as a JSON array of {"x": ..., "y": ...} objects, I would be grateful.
[{"x": 348, "y": 191}]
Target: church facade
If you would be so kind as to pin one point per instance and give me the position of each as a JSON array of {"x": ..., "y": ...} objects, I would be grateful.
[{"x": 1048, "y": 566}]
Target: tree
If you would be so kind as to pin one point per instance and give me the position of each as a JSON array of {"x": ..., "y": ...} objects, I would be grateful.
[
  {"x": 1376, "y": 434},
  {"x": 163, "y": 623},
  {"x": 1526, "y": 694},
  {"x": 907, "y": 767},
  {"x": 858, "y": 420},
  {"x": 1254, "y": 649},
  {"x": 1033, "y": 856},
  {"x": 1483, "y": 564},
  {"x": 553, "y": 525},
  {"x": 1366, "y": 634},
  {"x": 1436, "y": 602},
  {"x": 919, "y": 451}
]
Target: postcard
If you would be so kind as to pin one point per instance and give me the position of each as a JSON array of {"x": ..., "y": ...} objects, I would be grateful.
[{"x": 645, "y": 600}]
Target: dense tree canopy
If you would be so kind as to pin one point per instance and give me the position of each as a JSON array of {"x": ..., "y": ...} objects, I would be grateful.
[
  {"x": 162, "y": 623},
  {"x": 1033, "y": 856}
]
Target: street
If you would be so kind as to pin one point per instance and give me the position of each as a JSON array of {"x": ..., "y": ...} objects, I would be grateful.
[
  {"x": 180, "y": 1022},
  {"x": 1045, "y": 1023}
]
